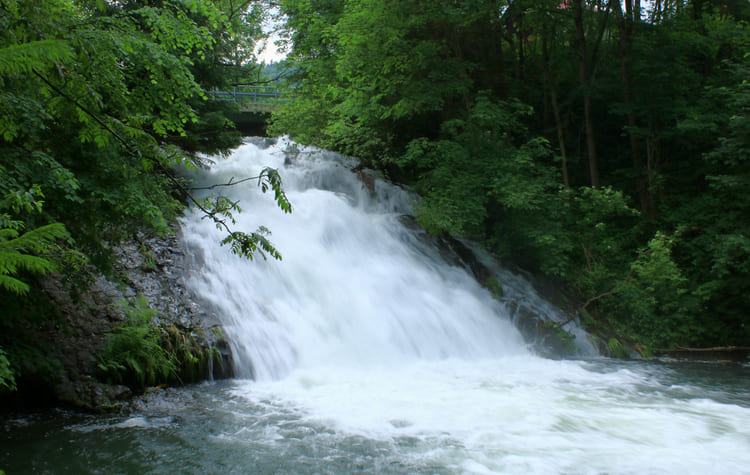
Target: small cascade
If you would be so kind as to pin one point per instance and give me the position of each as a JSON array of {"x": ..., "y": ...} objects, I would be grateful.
[
  {"x": 547, "y": 328},
  {"x": 210, "y": 361}
]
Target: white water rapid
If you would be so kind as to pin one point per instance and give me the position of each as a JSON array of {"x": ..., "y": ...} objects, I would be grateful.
[{"x": 363, "y": 350}]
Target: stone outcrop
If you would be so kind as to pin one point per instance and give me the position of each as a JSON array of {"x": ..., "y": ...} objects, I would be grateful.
[
  {"x": 150, "y": 267},
  {"x": 549, "y": 330}
]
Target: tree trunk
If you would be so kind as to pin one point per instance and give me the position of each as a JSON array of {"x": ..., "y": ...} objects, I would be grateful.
[
  {"x": 652, "y": 164},
  {"x": 584, "y": 77},
  {"x": 625, "y": 26},
  {"x": 555, "y": 112},
  {"x": 591, "y": 142}
]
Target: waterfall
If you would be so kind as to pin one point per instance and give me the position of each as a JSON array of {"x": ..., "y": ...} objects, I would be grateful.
[
  {"x": 357, "y": 287},
  {"x": 370, "y": 348}
]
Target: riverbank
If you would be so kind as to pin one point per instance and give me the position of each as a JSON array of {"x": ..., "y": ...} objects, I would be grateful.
[{"x": 149, "y": 268}]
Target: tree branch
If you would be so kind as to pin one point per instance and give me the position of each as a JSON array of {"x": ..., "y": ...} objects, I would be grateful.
[
  {"x": 240, "y": 7},
  {"x": 136, "y": 152},
  {"x": 614, "y": 286},
  {"x": 231, "y": 182}
]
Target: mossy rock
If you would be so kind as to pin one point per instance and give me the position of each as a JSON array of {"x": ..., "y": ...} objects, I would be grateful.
[
  {"x": 495, "y": 287},
  {"x": 617, "y": 349}
]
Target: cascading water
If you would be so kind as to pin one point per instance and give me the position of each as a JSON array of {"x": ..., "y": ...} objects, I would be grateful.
[
  {"x": 364, "y": 351},
  {"x": 365, "y": 330},
  {"x": 355, "y": 288}
]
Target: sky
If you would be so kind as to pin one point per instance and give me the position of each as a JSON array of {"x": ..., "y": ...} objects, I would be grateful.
[{"x": 266, "y": 50}]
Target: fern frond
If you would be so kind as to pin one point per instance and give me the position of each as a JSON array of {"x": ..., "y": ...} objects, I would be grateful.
[
  {"x": 13, "y": 285},
  {"x": 7, "y": 234},
  {"x": 17, "y": 254},
  {"x": 21, "y": 59},
  {"x": 37, "y": 240},
  {"x": 13, "y": 262}
]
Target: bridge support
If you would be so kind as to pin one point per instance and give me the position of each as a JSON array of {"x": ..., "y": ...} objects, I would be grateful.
[{"x": 251, "y": 124}]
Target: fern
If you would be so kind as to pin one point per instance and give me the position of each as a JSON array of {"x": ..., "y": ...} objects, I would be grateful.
[
  {"x": 16, "y": 60},
  {"x": 20, "y": 252},
  {"x": 134, "y": 354}
]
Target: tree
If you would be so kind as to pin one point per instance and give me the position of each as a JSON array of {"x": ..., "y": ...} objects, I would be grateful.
[
  {"x": 99, "y": 101},
  {"x": 481, "y": 105}
]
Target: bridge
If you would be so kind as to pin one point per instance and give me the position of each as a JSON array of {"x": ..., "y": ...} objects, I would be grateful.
[
  {"x": 253, "y": 99},
  {"x": 255, "y": 104}
]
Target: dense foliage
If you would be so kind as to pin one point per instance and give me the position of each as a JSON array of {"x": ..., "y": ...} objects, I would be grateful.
[
  {"x": 99, "y": 101},
  {"x": 601, "y": 142}
]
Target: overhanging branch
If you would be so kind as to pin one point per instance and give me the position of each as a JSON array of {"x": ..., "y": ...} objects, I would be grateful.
[{"x": 137, "y": 153}]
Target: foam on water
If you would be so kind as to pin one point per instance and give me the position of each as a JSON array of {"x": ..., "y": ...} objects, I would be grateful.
[
  {"x": 363, "y": 337},
  {"x": 519, "y": 415},
  {"x": 365, "y": 352}
]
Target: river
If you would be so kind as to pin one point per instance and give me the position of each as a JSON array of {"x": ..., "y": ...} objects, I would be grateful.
[{"x": 365, "y": 350}]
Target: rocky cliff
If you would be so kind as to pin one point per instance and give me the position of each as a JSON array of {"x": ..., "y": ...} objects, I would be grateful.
[{"x": 147, "y": 267}]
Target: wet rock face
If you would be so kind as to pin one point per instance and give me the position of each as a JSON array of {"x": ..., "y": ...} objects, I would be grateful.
[
  {"x": 154, "y": 268},
  {"x": 151, "y": 267},
  {"x": 550, "y": 332}
]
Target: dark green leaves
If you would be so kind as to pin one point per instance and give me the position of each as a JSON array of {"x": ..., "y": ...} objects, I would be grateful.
[
  {"x": 270, "y": 178},
  {"x": 481, "y": 104},
  {"x": 247, "y": 245},
  {"x": 96, "y": 99},
  {"x": 25, "y": 252},
  {"x": 19, "y": 59}
]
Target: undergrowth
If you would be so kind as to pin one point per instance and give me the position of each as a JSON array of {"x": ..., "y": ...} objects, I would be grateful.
[
  {"x": 141, "y": 353},
  {"x": 134, "y": 354}
]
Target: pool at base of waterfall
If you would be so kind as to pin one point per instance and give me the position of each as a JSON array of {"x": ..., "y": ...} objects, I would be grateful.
[
  {"x": 366, "y": 350},
  {"x": 509, "y": 415}
]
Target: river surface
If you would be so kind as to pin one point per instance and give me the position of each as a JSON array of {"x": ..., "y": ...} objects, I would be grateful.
[{"x": 366, "y": 349}]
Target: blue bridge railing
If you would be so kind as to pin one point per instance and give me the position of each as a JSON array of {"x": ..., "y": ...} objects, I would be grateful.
[{"x": 250, "y": 98}]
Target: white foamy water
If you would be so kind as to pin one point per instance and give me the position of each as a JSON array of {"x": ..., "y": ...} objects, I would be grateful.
[
  {"x": 355, "y": 288},
  {"x": 364, "y": 351}
]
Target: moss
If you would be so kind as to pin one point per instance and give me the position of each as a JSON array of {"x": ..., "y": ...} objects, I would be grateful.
[
  {"x": 617, "y": 349},
  {"x": 564, "y": 341},
  {"x": 494, "y": 286},
  {"x": 149, "y": 262},
  {"x": 644, "y": 351}
]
